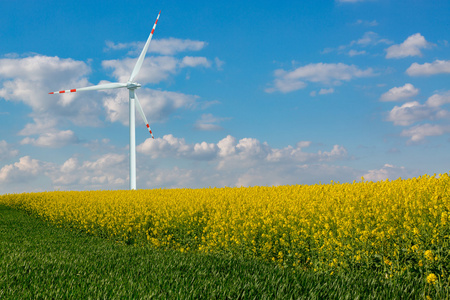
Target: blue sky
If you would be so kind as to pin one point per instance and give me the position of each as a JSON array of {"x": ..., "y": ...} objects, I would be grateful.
[{"x": 237, "y": 93}]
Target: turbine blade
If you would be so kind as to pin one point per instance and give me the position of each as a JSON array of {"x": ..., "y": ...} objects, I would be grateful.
[
  {"x": 141, "y": 112},
  {"x": 105, "y": 86},
  {"x": 140, "y": 60}
]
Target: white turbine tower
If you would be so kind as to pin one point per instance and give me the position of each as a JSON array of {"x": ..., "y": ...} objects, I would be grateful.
[{"x": 131, "y": 85}]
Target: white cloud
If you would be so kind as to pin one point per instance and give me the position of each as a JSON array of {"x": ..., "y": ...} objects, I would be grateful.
[
  {"x": 53, "y": 139},
  {"x": 195, "y": 61},
  {"x": 426, "y": 69},
  {"x": 229, "y": 153},
  {"x": 410, "y": 47},
  {"x": 30, "y": 79},
  {"x": 170, "y": 146},
  {"x": 157, "y": 105},
  {"x": 288, "y": 81},
  {"x": 22, "y": 171},
  {"x": 232, "y": 162},
  {"x": 227, "y": 146},
  {"x": 352, "y": 53},
  {"x": 219, "y": 63},
  {"x": 370, "y": 38},
  {"x": 286, "y": 85},
  {"x": 169, "y": 46},
  {"x": 366, "y": 23},
  {"x": 229, "y": 162},
  {"x": 322, "y": 92},
  {"x": 109, "y": 170},
  {"x": 438, "y": 99},
  {"x": 390, "y": 172},
  {"x": 410, "y": 113},
  {"x": 209, "y": 123},
  {"x": 326, "y": 91},
  {"x": 6, "y": 151},
  {"x": 414, "y": 112},
  {"x": 175, "y": 178},
  {"x": 400, "y": 93},
  {"x": 154, "y": 69},
  {"x": 419, "y": 132}
]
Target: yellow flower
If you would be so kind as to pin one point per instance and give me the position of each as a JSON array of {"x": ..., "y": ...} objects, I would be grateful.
[
  {"x": 428, "y": 255},
  {"x": 312, "y": 226},
  {"x": 431, "y": 278}
]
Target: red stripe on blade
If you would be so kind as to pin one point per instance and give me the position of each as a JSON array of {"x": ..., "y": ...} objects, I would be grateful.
[
  {"x": 51, "y": 93},
  {"x": 153, "y": 30},
  {"x": 148, "y": 126},
  {"x": 61, "y": 92},
  {"x": 73, "y": 90}
]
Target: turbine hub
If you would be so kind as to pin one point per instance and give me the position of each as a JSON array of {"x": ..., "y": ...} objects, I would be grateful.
[{"x": 133, "y": 85}]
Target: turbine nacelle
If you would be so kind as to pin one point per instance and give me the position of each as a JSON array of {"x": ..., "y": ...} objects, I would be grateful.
[{"x": 133, "y": 85}]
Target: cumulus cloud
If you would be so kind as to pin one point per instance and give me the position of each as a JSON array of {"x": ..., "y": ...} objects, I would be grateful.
[
  {"x": 366, "y": 23},
  {"x": 157, "y": 105},
  {"x": 208, "y": 122},
  {"x": 400, "y": 93},
  {"x": 412, "y": 46},
  {"x": 355, "y": 52},
  {"x": 229, "y": 153},
  {"x": 390, "y": 172},
  {"x": 233, "y": 162},
  {"x": 410, "y": 113},
  {"x": 326, "y": 91},
  {"x": 439, "y": 99},
  {"x": 414, "y": 112},
  {"x": 154, "y": 69},
  {"x": 53, "y": 139},
  {"x": 219, "y": 63},
  {"x": 426, "y": 69},
  {"x": 170, "y": 146},
  {"x": 229, "y": 162},
  {"x": 288, "y": 81},
  {"x": 369, "y": 39},
  {"x": 322, "y": 92},
  {"x": 192, "y": 61},
  {"x": 21, "y": 171},
  {"x": 419, "y": 132},
  {"x": 29, "y": 79},
  {"x": 109, "y": 170},
  {"x": 7, "y": 151}
]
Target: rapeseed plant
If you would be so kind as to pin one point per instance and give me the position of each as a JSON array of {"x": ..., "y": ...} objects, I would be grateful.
[{"x": 388, "y": 226}]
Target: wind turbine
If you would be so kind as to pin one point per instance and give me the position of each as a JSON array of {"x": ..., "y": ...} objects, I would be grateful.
[{"x": 131, "y": 85}]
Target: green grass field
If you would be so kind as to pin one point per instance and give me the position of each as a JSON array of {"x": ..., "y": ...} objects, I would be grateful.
[{"x": 41, "y": 261}]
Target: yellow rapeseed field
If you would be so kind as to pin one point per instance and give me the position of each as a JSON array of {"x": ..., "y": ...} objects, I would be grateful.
[{"x": 389, "y": 226}]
